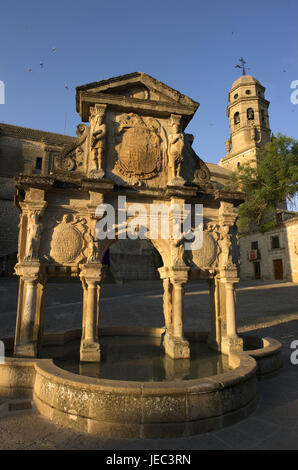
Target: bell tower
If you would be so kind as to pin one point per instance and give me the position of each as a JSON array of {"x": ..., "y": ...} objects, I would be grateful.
[{"x": 249, "y": 122}]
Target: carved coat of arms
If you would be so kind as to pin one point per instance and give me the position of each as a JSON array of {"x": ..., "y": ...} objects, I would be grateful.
[
  {"x": 67, "y": 242},
  {"x": 138, "y": 147}
]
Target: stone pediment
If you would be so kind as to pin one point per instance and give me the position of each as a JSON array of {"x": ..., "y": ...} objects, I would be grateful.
[
  {"x": 134, "y": 136},
  {"x": 135, "y": 92}
]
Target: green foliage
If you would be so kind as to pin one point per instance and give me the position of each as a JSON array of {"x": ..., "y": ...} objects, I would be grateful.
[{"x": 272, "y": 181}]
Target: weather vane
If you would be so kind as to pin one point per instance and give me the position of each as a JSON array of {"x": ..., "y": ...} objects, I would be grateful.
[{"x": 242, "y": 66}]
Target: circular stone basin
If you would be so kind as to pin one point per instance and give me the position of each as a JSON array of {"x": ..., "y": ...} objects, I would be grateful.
[
  {"x": 141, "y": 358},
  {"x": 136, "y": 391}
]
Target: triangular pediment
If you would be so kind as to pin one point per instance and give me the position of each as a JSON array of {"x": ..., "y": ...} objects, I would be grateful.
[{"x": 131, "y": 90}]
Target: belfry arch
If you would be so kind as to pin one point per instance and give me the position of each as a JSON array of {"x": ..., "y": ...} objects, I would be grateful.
[{"x": 135, "y": 147}]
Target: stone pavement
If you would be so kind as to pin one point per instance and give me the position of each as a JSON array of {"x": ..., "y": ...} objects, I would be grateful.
[{"x": 265, "y": 309}]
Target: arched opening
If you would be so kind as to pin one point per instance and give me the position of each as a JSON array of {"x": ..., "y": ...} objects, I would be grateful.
[
  {"x": 134, "y": 276},
  {"x": 237, "y": 118},
  {"x": 250, "y": 114}
]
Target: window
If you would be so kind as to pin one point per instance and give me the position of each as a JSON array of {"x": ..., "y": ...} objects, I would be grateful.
[
  {"x": 254, "y": 245},
  {"x": 250, "y": 114},
  {"x": 38, "y": 163},
  {"x": 236, "y": 96},
  {"x": 236, "y": 118},
  {"x": 248, "y": 92},
  {"x": 274, "y": 242}
]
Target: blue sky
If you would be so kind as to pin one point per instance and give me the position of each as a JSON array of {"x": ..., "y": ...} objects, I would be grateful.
[{"x": 192, "y": 46}]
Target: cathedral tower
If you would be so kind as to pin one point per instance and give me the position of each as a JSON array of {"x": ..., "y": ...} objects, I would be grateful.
[{"x": 249, "y": 122}]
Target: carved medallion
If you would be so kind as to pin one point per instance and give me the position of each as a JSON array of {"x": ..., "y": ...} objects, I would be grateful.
[
  {"x": 139, "y": 149},
  {"x": 66, "y": 243},
  {"x": 206, "y": 255},
  {"x": 68, "y": 164}
]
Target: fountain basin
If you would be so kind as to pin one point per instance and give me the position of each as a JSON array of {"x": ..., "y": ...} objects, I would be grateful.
[{"x": 134, "y": 409}]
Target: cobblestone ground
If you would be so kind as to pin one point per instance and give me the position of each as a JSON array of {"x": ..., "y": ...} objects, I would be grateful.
[{"x": 265, "y": 309}]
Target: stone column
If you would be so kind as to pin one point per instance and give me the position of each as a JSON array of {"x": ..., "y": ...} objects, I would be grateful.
[
  {"x": 167, "y": 303},
  {"x": 178, "y": 309},
  {"x": 26, "y": 344},
  {"x": 230, "y": 309},
  {"x": 90, "y": 346},
  {"x": 91, "y": 310},
  {"x": 231, "y": 342},
  {"x": 212, "y": 334},
  {"x": 28, "y": 325},
  {"x": 174, "y": 342}
]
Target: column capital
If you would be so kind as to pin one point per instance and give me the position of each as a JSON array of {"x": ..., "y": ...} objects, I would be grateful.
[
  {"x": 93, "y": 272},
  {"x": 29, "y": 270},
  {"x": 179, "y": 274}
]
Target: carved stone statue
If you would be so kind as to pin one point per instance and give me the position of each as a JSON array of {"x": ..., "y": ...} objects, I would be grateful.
[
  {"x": 177, "y": 250},
  {"x": 225, "y": 244},
  {"x": 33, "y": 236},
  {"x": 92, "y": 248},
  {"x": 176, "y": 147},
  {"x": 228, "y": 145},
  {"x": 98, "y": 141}
]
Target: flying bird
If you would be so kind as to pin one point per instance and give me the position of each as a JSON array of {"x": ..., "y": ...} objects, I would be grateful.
[
  {"x": 53, "y": 50},
  {"x": 41, "y": 64},
  {"x": 66, "y": 86}
]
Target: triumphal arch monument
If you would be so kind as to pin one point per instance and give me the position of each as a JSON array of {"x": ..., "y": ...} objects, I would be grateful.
[{"x": 131, "y": 147}]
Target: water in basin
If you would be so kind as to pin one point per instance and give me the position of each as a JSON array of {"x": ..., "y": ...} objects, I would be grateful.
[{"x": 139, "y": 358}]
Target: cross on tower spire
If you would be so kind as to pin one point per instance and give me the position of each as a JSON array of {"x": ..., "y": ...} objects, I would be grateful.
[{"x": 242, "y": 66}]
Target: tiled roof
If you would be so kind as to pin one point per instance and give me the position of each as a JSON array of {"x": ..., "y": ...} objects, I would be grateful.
[{"x": 36, "y": 135}]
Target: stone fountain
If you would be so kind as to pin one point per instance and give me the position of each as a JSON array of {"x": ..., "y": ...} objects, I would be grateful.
[{"x": 133, "y": 156}]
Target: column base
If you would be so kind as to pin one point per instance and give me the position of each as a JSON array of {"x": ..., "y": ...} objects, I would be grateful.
[
  {"x": 25, "y": 350},
  {"x": 176, "y": 348},
  {"x": 89, "y": 351},
  {"x": 231, "y": 344}
]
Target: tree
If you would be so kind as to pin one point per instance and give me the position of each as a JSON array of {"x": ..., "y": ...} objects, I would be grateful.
[{"x": 273, "y": 180}]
